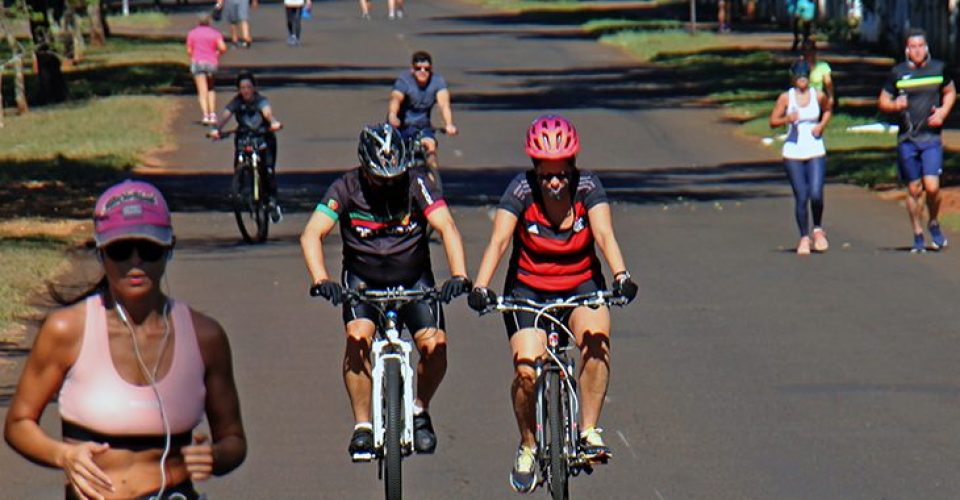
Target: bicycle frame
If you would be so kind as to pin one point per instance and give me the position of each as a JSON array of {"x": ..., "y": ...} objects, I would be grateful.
[
  {"x": 388, "y": 344},
  {"x": 248, "y": 156}
]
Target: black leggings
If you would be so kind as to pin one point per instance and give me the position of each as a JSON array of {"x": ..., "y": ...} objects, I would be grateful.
[{"x": 293, "y": 21}]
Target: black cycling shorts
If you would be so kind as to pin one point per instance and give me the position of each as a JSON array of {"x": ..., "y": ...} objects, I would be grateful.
[
  {"x": 519, "y": 320},
  {"x": 414, "y": 316}
]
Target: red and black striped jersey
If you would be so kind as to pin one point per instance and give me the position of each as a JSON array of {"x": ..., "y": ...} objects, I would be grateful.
[
  {"x": 546, "y": 257},
  {"x": 384, "y": 230}
]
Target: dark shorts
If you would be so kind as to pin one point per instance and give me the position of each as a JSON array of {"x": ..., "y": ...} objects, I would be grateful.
[
  {"x": 237, "y": 10},
  {"x": 919, "y": 159},
  {"x": 515, "y": 321},
  {"x": 415, "y": 316},
  {"x": 426, "y": 132},
  {"x": 182, "y": 491}
]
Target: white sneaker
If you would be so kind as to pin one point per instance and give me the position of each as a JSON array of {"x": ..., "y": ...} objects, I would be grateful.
[{"x": 523, "y": 477}]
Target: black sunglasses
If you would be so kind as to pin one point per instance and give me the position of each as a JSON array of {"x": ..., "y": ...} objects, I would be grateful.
[
  {"x": 422, "y": 68},
  {"x": 123, "y": 250},
  {"x": 561, "y": 176}
]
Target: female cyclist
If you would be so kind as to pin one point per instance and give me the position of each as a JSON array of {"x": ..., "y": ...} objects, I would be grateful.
[
  {"x": 807, "y": 113},
  {"x": 554, "y": 213},
  {"x": 254, "y": 117},
  {"x": 136, "y": 372}
]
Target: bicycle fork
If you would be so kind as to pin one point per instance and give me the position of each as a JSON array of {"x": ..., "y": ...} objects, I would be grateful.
[{"x": 383, "y": 349}]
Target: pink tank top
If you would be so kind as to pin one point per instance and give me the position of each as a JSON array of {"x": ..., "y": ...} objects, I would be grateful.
[{"x": 95, "y": 396}]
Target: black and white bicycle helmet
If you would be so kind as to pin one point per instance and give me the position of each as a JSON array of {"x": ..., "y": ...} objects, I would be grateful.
[{"x": 383, "y": 152}]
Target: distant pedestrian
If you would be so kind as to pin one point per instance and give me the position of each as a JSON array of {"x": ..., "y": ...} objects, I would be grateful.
[
  {"x": 238, "y": 15},
  {"x": 806, "y": 113},
  {"x": 723, "y": 15},
  {"x": 920, "y": 91},
  {"x": 394, "y": 9},
  {"x": 295, "y": 9},
  {"x": 803, "y": 13},
  {"x": 204, "y": 45},
  {"x": 821, "y": 77}
]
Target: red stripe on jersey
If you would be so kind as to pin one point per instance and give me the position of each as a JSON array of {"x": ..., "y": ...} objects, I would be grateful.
[
  {"x": 549, "y": 263},
  {"x": 433, "y": 206}
]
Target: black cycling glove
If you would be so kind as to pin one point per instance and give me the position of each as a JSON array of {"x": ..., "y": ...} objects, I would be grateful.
[
  {"x": 624, "y": 286},
  {"x": 480, "y": 298},
  {"x": 454, "y": 287},
  {"x": 329, "y": 290}
]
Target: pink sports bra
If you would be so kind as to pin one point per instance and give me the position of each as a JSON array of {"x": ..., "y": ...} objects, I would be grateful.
[{"x": 94, "y": 396}]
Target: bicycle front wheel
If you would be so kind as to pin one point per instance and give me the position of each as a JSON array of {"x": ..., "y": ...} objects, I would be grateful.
[
  {"x": 393, "y": 455},
  {"x": 557, "y": 422},
  {"x": 249, "y": 204}
]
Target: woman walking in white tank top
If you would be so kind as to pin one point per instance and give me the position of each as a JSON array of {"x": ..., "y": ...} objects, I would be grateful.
[{"x": 806, "y": 113}]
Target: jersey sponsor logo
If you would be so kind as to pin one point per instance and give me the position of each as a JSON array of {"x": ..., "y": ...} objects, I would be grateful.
[
  {"x": 579, "y": 224},
  {"x": 424, "y": 191},
  {"x": 533, "y": 229},
  {"x": 333, "y": 205},
  {"x": 367, "y": 226}
]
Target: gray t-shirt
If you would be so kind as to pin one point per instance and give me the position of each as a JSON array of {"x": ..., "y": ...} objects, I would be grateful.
[{"x": 418, "y": 101}]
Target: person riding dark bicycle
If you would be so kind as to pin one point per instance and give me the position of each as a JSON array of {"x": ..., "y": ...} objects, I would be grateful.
[
  {"x": 412, "y": 99},
  {"x": 254, "y": 119},
  {"x": 383, "y": 208},
  {"x": 554, "y": 214}
]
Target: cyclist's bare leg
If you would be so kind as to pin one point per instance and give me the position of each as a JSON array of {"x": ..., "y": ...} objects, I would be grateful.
[
  {"x": 356, "y": 367},
  {"x": 527, "y": 346},
  {"x": 432, "y": 344},
  {"x": 202, "y": 90},
  {"x": 592, "y": 329},
  {"x": 430, "y": 147}
]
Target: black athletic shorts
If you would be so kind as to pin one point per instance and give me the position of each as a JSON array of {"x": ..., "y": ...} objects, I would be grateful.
[
  {"x": 414, "y": 316},
  {"x": 519, "y": 320}
]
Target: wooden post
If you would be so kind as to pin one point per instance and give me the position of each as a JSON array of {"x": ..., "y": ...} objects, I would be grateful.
[{"x": 693, "y": 17}]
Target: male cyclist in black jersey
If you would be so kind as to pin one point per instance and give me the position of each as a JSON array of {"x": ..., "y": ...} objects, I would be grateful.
[
  {"x": 383, "y": 208},
  {"x": 254, "y": 117}
]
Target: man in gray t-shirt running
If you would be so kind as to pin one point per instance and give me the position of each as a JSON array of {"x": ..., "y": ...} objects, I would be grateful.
[{"x": 412, "y": 99}]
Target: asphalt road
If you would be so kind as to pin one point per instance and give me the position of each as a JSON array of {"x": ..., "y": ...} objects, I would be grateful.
[{"x": 741, "y": 372}]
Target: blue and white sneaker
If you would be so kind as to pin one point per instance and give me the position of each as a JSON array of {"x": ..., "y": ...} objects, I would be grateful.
[
  {"x": 919, "y": 244},
  {"x": 523, "y": 477},
  {"x": 936, "y": 235}
]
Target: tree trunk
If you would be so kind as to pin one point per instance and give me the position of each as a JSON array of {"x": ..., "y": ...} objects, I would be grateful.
[
  {"x": 98, "y": 36},
  {"x": 19, "y": 87}
]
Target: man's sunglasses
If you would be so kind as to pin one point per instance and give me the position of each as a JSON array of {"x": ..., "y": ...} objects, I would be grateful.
[
  {"x": 123, "y": 250},
  {"x": 561, "y": 176},
  {"x": 424, "y": 68}
]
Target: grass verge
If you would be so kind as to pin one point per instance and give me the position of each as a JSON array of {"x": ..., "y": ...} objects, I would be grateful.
[
  {"x": 148, "y": 19},
  {"x": 28, "y": 263}
]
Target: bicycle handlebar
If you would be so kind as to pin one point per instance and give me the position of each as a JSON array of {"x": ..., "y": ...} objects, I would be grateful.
[
  {"x": 592, "y": 300},
  {"x": 398, "y": 294}
]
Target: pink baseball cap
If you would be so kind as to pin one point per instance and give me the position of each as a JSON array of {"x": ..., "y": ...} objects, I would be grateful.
[{"x": 132, "y": 210}]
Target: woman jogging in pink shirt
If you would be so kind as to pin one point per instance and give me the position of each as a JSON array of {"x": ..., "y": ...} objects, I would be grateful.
[{"x": 205, "y": 44}]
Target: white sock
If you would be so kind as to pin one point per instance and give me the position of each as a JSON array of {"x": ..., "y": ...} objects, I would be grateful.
[{"x": 363, "y": 425}]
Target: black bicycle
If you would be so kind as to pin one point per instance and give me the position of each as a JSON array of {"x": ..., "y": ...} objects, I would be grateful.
[
  {"x": 558, "y": 406},
  {"x": 419, "y": 151},
  {"x": 251, "y": 206},
  {"x": 392, "y": 380}
]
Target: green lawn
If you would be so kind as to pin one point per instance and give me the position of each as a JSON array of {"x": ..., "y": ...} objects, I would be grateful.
[{"x": 26, "y": 266}]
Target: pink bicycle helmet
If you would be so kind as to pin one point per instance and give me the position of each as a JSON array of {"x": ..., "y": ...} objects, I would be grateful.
[{"x": 552, "y": 137}]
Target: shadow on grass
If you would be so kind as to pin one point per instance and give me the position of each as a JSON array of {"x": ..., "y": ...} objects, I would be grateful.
[{"x": 60, "y": 187}]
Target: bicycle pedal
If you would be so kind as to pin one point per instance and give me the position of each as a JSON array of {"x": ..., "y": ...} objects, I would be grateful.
[{"x": 362, "y": 457}]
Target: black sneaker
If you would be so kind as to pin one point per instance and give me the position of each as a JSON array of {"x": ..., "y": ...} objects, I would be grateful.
[
  {"x": 361, "y": 445},
  {"x": 424, "y": 439}
]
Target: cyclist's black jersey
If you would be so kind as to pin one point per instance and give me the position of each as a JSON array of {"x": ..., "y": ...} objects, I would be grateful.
[
  {"x": 249, "y": 115},
  {"x": 384, "y": 230}
]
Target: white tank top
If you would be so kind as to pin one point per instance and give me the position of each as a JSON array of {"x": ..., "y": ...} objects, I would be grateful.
[{"x": 800, "y": 143}]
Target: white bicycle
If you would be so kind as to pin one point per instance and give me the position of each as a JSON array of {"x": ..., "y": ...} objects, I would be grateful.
[{"x": 392, "y": 377}]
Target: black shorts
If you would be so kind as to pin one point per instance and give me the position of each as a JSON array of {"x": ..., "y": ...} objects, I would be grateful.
[
  {"x": 414, "y": 316},
  {"x": 519, "y": 320}
]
